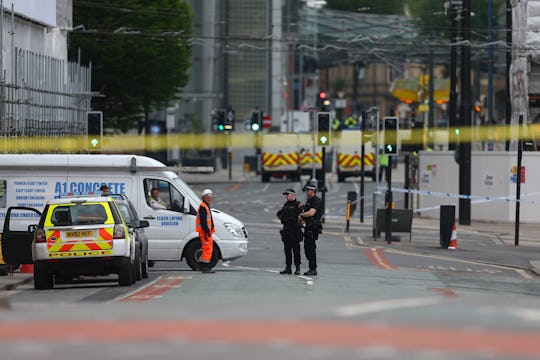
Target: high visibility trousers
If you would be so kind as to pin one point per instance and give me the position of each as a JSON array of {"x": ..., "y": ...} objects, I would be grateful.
[{"x": 207, "y": 245}]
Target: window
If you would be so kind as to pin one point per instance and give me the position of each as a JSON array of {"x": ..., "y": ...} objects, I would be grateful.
[{"x": 169, "y": 196}]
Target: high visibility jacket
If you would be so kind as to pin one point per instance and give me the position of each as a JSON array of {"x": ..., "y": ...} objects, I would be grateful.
[
  {"x": 209, "y": 220},
  {"x": 384, "y": 160}
]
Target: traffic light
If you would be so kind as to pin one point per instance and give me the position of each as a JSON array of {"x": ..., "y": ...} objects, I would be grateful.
[
  {"x": 323, "y": 128},
  {"x": 94, "y": 127},
  {"x": 221, "y": 120},
  {"x": 256, "y": 121},
  {"x": 390, "y": 135},
  {"x": 323, "y": 101},
  {"x": 229, "y": 119}
]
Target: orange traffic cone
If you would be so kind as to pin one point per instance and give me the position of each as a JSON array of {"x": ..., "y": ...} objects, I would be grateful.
[
  {"x": 27, "y": 268},
  {"x": 453, "y": 239}
]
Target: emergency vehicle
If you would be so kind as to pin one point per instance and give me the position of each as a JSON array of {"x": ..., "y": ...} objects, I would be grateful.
[
  {"x": 349, "y": 156},
  {"x": 73, "y": 236},
  {"x": 280, "y": 156},
  {"x": 30, "y": 180},
  {"x": 307, "y": 161}
]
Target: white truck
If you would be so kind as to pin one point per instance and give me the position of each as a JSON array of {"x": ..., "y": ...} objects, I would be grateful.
[
  {"x": 29, "y": 180},
  {"x": 279, "y": 156}
]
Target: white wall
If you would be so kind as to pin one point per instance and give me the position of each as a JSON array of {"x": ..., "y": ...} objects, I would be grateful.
[{"x": 491, "y": 174}]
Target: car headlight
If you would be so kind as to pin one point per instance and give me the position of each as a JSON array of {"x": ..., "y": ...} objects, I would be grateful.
[{"x": 234, "y": 229}]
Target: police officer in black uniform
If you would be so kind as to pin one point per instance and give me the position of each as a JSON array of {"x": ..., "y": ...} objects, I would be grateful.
[
  {"x": 291, "y": 234},
  {"x": 311, "y": 216}
]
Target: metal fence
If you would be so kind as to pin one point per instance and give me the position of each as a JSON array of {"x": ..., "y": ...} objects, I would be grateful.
[{"x": 47, "y": 99}]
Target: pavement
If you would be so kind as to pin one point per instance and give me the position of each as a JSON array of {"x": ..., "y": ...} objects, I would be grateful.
[{"x": 498, "y": 249}]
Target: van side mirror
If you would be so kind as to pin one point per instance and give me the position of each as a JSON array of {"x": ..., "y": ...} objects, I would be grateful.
[
  {"x": 186, "y": 206},
  {"x": 32, "y": 228},
  {"x": 143, "y": 223}
]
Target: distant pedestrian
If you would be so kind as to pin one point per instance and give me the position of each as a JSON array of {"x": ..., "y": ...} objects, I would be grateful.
[
  {"x": 104, "y": 190},
  {"x": 384, "y": 162},
  {"x": 291, "y": 234},
  {"x": 311, "y": 216},
  {"x": 204, "y": 225}
]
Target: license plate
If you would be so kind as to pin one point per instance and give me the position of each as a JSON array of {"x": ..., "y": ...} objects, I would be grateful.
[{"x": 79, "y": 234}]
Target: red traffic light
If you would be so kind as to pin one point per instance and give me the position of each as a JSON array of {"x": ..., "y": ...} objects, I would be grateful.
[{"x": 322, "y": 95}]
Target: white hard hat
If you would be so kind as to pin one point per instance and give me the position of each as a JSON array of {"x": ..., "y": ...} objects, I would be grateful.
[{"x": 206, "y": 192}]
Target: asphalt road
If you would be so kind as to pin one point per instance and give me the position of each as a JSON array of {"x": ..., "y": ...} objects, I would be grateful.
[{"x": 368, "y": 301}]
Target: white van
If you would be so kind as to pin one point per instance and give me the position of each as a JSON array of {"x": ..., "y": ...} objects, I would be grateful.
[{"x": 29, "y": 180}]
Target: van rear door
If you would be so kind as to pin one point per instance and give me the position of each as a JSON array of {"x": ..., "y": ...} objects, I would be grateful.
[{"x": 18, "y": 233}]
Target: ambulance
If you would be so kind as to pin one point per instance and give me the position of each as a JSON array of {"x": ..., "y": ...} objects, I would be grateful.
[
  {"x": 30, "y": 180},
  {"x": 349, "y": 156},
  {"x": 279, "y": 156}
]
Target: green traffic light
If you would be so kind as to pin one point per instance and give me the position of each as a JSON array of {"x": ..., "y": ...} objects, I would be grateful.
[
  {"x": 255, "y": 126},
  {"x": 323, "y": 140},
  {"x": 221, "y": 127},
  {"x": 456, "y": 131},
  {"x": 94, "y": 142},
  {"x": 389, "y": 148}
]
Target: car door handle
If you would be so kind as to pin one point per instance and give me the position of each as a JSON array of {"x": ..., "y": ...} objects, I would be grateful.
[{"x": 149, "y": 217}]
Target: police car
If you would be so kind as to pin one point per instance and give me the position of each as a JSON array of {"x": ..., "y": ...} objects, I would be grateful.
[{"x": 74, "y": 236}]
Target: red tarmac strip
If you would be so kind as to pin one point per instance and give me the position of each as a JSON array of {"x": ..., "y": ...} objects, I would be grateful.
[
  {"x": 377, "y": 258},
  {"x": 295, "y": 333},
  {"x": 153, "y": 290}
]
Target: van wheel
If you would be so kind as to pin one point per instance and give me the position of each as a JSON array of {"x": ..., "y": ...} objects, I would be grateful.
[
  {"x": 340, "y": 178},
  {"x": 193, "y": 252},
  {"x": 138, "y": 264},
  {"x": 151, "y": 263},
  {"x": 265, "y": 177},
  {"x": 125, "y": 274},
  {"x": 43, "y": 280}
]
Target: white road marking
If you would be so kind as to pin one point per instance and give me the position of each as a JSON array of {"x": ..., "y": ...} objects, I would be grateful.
[
  {"x": 474, "y": 262},
  {"x": 385, "y": 305}
]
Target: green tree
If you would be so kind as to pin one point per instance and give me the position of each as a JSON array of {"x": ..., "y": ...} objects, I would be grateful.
[
  {"x": 368, "y": 6},
  {"x": 140, "y": 54}
]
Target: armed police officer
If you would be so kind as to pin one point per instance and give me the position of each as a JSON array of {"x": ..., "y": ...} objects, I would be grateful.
[
  {"x": 311, "y": 216},
  {"x": 291, "y": 234}
]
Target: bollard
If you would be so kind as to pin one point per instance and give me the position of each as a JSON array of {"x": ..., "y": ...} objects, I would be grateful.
[
  {"x": 348, "y": 214},
  {"x": 447, "y": 219}
]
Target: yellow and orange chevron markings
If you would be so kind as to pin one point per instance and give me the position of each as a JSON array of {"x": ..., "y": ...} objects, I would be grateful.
[
  {"x": 280, "y": 159},
  {"x": 352, "y": 160}
]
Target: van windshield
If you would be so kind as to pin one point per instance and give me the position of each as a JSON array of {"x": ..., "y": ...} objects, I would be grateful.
[{"x": 189, "y": 191}]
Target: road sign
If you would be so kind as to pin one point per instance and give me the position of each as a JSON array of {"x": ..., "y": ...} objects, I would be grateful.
[{"x": 267, "y": 122}]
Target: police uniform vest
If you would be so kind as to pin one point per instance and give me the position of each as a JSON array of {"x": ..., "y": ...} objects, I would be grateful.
[{"x": 289, "y": 215}]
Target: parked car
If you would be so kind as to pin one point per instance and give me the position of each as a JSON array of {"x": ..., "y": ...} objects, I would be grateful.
[
  {"x": 141, "y": 240},
  {"x": 74, "y": 236}
]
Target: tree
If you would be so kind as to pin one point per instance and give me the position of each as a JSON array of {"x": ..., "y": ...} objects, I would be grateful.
[
  {"x": 140, "y": 54},
  {"x": 368, "y": 6}
]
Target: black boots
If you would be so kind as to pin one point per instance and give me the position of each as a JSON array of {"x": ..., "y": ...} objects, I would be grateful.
[
  {"x": 311, "y": 272},
  {"x": 206, "y": 269},
  {"x": 288, "y": 270}
]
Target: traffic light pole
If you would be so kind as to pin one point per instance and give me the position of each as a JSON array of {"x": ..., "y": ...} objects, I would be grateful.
[
  {"x": 323, "y": 185},
  {"x": 389, "y": 201}
]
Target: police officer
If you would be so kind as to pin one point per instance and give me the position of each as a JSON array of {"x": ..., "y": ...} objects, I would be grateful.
[
  {"x": 311, "y": 216},
  {"x": 291, "y": 234}
]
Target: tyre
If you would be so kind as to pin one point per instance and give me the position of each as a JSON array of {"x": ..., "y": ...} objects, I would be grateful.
[
  {"x": 340, "y": 178},
  {"x": 43, "y": 280},
  {"x": 144, "y": 267},
  {"x": 265, "y": 177},
  {"x": 151, "y": 263},
  {"x": 193, "y": 252},
  {"x": 125, "y": 274},
  {"x": 138, "y": 264}
]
